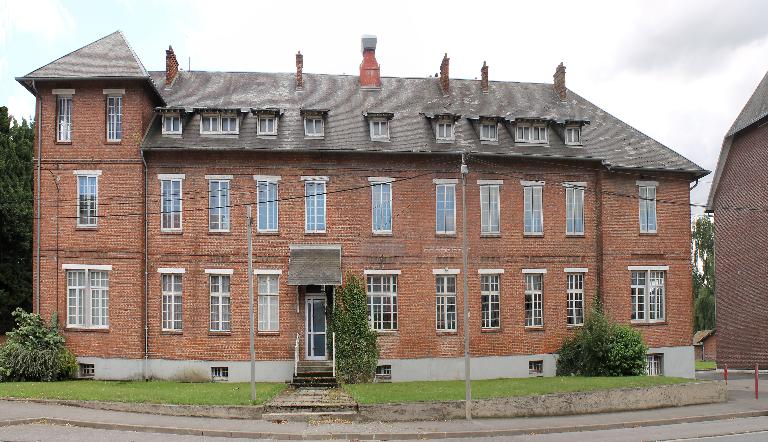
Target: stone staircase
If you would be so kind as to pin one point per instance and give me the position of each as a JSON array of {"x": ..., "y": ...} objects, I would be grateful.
[
  {"x": 311, "y": 404},
  {"x": 314, "y": 374}
]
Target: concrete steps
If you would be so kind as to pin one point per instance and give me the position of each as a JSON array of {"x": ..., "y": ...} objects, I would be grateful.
[
  {"x": 314, "y": 374},
  {"x": 310, "y": 404}
]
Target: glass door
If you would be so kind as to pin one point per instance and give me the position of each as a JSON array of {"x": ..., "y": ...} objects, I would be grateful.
[{"x": 315, "y": 327}]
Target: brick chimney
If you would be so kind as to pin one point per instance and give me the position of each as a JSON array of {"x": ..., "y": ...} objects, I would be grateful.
[
  {"x": 444, "y": 81},
  {"x": 559, "y": 82},
  {"x": 370, "y": 71},
  {"x": 299, "y": 71},
  {"x": 484, "y": 78},
  {"x": 171, "y": 66}
]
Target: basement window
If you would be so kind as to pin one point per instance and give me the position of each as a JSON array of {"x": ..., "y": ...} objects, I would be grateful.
[
  {"x": 655, "y": 364},
  {"x": 219, "y": 374},
  {"x": 536, "y": 368},
  {"x": 383, "y": 373},
  {"x": 87, "y": 370}
]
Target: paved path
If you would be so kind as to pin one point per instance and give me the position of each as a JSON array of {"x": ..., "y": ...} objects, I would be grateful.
[{"x": 741, "y": 403}]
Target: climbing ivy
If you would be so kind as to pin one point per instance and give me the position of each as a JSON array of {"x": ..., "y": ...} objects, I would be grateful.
[{"x": 357, "y": 351}]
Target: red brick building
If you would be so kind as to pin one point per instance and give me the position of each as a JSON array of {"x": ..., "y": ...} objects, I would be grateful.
[
  {"x": 738, "y": 201},
  {"x": 144, "y": 178}
]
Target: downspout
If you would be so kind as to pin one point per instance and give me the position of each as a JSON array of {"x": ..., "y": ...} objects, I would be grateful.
[
  {"x": 146, "y": 273},
  {"x": 39, "y": 125}
]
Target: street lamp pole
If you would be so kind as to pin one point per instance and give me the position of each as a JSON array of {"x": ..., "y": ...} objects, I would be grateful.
[{"x": 465, "y": 271}]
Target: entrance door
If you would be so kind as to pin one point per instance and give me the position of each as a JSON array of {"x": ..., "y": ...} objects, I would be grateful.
[{"x": 315, "y": 327}]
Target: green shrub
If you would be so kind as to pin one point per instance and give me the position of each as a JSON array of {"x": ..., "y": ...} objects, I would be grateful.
[
  {"x": 602, "y": 348},
  {"x": 35, "y": 351},
  {"x": 357, "y": 352}
]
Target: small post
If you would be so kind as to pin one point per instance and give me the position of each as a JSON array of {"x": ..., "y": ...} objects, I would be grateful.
[
  {"x": 757, "y": 383},
  {"x": 249, "y": 225},
  {"x": 725, "y": 373}
]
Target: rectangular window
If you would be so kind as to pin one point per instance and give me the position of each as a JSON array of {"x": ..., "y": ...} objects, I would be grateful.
[
  {"x": 313, "y": 127},
  {"x": 647, "y": 209},
  {"x": 523, "y": 133},
  {"x": 170, "y": 208},
  {"x": 267, "y": 206},
  {"x": 87, "y": 200},
  {"x": 88, "y": 298},
  {"x": 379, "y": 130},
  {"x": 171, "y": 125},
  {"x": 218, "y": 205},
  {"x": 536, "y": 368},
  {"x": 573, "y": 135},
  {"x": 444, "y": 131},
  {"x": 219, "y": 374},
  {"x": 445, "y": 301},
  {"x": 489, "y": 132},
  {"x": 381, "y": 204},
  {"x": 534, "y": 217},
  {"x": 489, "y": 299},
  {"x": 314, "y": 197},
  {"x": 574, "y": 210},
  {"x": 531, "y": 133},
  {"x": 229, "y": 124},
  {"x": 267, "y": 126},
  {"x": 269, "y": 316},
  {"x": 648, "y": 295},
  {"x": 534, "y": 304},
  {"x": 382, "y": 302},
  {"x": 575, "y": 298},
  {"x": 445, "y": 209},
  {"x": 87, "y": 370},
  {"x": 209, "y": 124},
  {"x": 539, "y": 134},
  {"x": 64, "y": 119},
  {"x": 114, "y": 118},
  {"x": 171, "y": 286},
  {"x": 489, "y": 209},
  {"x": 220, "y": 313},
  {"x": 655, "y": 364}
]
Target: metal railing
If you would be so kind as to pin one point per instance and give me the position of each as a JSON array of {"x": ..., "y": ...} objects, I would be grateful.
[
  {"x": 296, "y": 356},
  {"x": 333, "y": 337}
]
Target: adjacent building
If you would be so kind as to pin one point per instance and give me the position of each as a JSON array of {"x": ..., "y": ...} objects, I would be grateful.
[
  {"x": 738, "y": 200},
  {"x": 144, "y": 179}
]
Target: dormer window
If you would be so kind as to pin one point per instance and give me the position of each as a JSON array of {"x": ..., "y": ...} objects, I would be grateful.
[
  {"x": 210, "y": 124},
  {"x": 229, "y": 124},
  {"x": 172, "y": 124},
  {"x": 379, "y": 130},
  {"x": 267, "y": 125},
  {"x": 489, "y": 131},
  {"x": 218, "y": 124},
  {"x": 313, "y": 127},
  {"x": 531, "y": 133},
  {"x": 573, "y": 136},
  {"x": 444, "y": 131}
]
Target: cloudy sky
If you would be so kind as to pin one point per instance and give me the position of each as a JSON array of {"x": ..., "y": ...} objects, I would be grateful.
[{"x": 678, "y": 71}]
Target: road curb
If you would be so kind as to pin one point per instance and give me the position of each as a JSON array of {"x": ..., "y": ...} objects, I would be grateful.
[{"x": 379, "y": 436}]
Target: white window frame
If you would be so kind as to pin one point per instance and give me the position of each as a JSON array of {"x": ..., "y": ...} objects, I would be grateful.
[
  {"x": 530, "y": 191},
  {"x": 652, "y": 308},
  {"x": 265, "y": 117},
  {"x": 448, "y": 186},
  {"x": 387, "y": 300},
  {"x": 495, "y": 127},
  {"x": 375, "y": 183},
  {"x": 319, "y": 134},
  {"x": 114, "y": 118},
  {"x": 527, "y": 135},
  {"x": 574, "y": 284},
  {"x": 269, "y": 302},
  {"x": 647, "y": 206},
  {"x": 267, "y": 181},
  {"x": 64, "y": 118},
  {"x": 308, "y": 199},
  {"x": 654, "y": 364},
  {"x": 169, "y": 302},
  {"x": 218, "y": 296},
  {"x": 84, "y": 299},
  {"x": 487, "y": 284},
  {"x": 229, "y": 131},
  {"x": 572, "y": 136},
  {"x": 212, "y": 117},
  {"x": 380, "y": 122},
  {"x": 574, "y": 208},
  {"x": 445, "y": 299},
  {"x": 536, "y": 317},
  {"x": 171, "y": 178},
  {"x": 445, "y": 124},
  {"x": 493, "y": 209},
  {"x": 221, "y": 211},
  {"x": 88, "y": 174},
  {"x": 171, "y": 118}
]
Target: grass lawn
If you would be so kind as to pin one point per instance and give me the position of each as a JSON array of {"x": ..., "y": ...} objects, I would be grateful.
[
  {"x": 705, "y": 365},
  {"x": 483, "y": 389},
  {"x": 159, "y": 392}
]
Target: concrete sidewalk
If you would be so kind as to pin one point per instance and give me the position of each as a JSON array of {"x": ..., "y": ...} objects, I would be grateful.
[{"x": 741, "y": 403}]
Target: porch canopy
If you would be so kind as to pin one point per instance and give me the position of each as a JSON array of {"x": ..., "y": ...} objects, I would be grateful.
[{"x": 314, "y": 264}]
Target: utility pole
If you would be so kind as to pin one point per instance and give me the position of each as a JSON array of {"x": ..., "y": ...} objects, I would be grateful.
[
  {"x": 465, "y": 271},
  {"x": 249, "y": 225}
]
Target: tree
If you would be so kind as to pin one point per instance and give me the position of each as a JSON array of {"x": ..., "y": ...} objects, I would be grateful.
[
  {"x": 357, "y": 351},
  {"x": 16, "y": 202},
  {"x": 703, "y": 268}
]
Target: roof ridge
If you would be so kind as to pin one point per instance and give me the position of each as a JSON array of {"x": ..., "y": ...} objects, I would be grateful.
[{"x": 72, "y": 52}]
